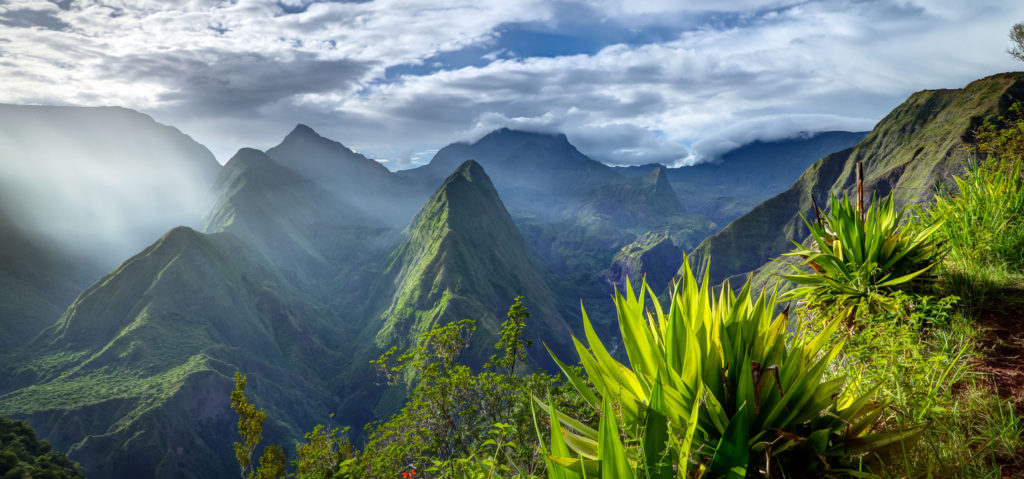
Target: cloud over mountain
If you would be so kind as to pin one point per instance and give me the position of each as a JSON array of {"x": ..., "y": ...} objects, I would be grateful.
[{"x": 630, "y": 82}]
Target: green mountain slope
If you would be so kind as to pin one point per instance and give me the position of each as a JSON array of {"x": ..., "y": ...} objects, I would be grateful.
[
  {"x": 632, "y": 202},
  {"x": 464, "y": 258},
  {"x": 652, "y": 255},
  {"x": 914, "y": 148},
  {"x": 37, "y": 281},
  {"x": 80, "y": 190},
  {"x": 134, "y": 379}
]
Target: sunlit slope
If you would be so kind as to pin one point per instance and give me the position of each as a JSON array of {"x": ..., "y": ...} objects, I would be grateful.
[
  {"x": 81, "y": 189},
  {"x": 913, "y": 149},
  {"x": 361, "y": 182}
]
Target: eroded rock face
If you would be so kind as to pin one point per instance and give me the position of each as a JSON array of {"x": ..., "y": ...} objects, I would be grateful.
[{"x": 652, "y": 255}]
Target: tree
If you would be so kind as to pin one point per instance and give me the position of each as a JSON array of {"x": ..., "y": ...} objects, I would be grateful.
[
  {"x": 326, "y": 454},
  {"x": 511, "y": 339},
  {"x": 1017, "y": 37},
  {"x": 250, "y": 427}
]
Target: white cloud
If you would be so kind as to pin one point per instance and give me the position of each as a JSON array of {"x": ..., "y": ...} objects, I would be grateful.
[{"x": 242, "y": 73}]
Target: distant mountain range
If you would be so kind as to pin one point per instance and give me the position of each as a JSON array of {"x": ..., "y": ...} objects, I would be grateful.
[
  {"x": 743, "y": 178},
  {"x": 307, "y": 260}
]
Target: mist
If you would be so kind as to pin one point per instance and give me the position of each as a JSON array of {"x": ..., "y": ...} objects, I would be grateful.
[
  {"x": 770, "y": 128},
  {"x": 99, "y": 183}
]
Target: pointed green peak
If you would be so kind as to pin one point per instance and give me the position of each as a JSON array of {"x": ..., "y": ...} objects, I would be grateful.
[
  {"x": 471, "y": 171},
  {"x": 182, "y": 232},
  {"x": 467, "y": 196}
]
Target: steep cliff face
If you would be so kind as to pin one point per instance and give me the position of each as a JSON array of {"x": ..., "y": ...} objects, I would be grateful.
[
  {"x": 651, "y": 256},
  {"x": 464, "y": 258},
  {"x": 911, "y": 151}
]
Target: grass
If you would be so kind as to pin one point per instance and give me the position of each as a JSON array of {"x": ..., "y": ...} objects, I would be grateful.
[
  {"x": 927, "y": 373},
  {"x": 982, "y": 231}
]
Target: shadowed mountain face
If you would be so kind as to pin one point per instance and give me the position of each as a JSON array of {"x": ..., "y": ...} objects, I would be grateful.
[
  {"x": 37, "y": 281},
  {"x": 652, "y": 256},
  {"x": 294, "y": 222},
  {"x": 919, "y": 145},
  {"x": 613, "y": 215},
  {"x": 359, "y": 181},
  {"x": 537, "y": 174}
]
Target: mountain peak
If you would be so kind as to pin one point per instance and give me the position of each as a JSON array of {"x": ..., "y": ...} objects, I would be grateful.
[
  {"x": 303, "y": 130},
  {"x": 305, "y": 136},
  {"x": 470, "y": 170},
  {"x": 465, "y": 248},
  {"x": 248, "y": 157},
  {"x": 326, "y": 161},
  {"x": 657, "y": 174},
  {"x": 506, "y": 133},
  {"x": 467, "y": 196}
]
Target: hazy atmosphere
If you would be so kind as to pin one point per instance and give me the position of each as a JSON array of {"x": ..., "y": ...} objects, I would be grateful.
[
  {"x": 629, "y": 82},
  {"x": 516, "y": 239}
]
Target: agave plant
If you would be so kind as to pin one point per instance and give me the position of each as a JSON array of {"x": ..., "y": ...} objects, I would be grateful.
[
  {"x": 715, "y": 387},
  {"x": 857, "y": 257}
]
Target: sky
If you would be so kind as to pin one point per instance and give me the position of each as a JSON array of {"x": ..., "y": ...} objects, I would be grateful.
[{"x": 628, "y": 81}]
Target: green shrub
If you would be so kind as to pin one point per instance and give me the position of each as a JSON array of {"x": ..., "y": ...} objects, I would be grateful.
[
  {"x": 858, "y": 259},
  {"x": 719, "y": 388}
]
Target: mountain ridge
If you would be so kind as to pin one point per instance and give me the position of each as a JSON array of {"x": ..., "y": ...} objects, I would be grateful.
[
  {"x": 932, "y": 125},
  {"x": 463, "y": 257}
]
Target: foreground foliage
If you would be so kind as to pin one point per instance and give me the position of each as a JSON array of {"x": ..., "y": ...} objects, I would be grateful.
[
  {"x": 324, "y": 455},
  {"x": 859, "y": 256},
  {"x": 455, "y": 423},
  {"x": 922, "y": 352},
  {"x": 22, "y": 455},
  {"x": 720, "y": 388}
]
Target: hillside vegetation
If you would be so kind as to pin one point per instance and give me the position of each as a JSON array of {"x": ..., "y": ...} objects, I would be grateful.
[
  {"x": 886, "y": 363},
  {"x": 914, "y": 149},
  {"x": 340, "y": 317}
]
